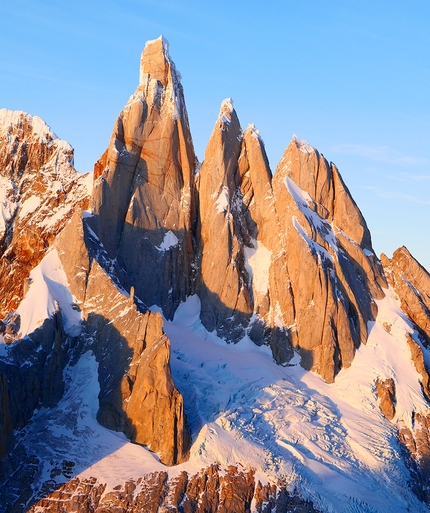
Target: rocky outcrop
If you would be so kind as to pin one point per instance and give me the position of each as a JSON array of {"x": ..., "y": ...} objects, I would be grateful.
[
  {"x": 223, "y": 290},
  {"x": 39, "y": 190},
  {"x": 386, "y": 391},
  {"x": 333, "y": 272},
  {"x": 144, "y": 195},
  {"x": 417, "y": 444},
  {"x": 292, "y": 267},
  {"x": 242, "y": 251},
  {"x": 210, "y": 491},
  {"x": 137, "y": 393},
  {"x": 420, "y": 365},
  {"x": 412, "y": 284}
]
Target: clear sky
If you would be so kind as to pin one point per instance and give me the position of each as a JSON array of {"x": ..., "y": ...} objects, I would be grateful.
[{"x": 350, "y": 77}]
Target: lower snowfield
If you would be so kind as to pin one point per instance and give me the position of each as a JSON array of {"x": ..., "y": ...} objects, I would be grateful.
[{"x": 330, "y": 442}]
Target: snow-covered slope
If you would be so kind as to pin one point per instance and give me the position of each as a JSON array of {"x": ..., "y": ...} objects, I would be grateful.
[{"x": 330, "y": 443}]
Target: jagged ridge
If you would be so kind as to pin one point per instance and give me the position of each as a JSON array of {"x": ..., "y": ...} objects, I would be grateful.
[{"x": 286, "y": 262}]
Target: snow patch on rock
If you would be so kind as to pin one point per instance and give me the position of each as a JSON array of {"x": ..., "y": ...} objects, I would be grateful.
[
  {"x": 226, "y": 111},
  {"x": 48, "y": 291},
  {"x": 223, "y": 201},
  {"x": 170, "y": 240},
  {"x": 257, "y": 264},
  {"x": 302, "y": 200}
]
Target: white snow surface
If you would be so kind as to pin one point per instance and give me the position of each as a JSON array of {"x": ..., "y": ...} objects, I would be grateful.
[
  {"x": 302, "y": 145},
  {"x": 226, "y": 111},
  {"x": 257, "y": 264},
  {"x": 170, "y": 240},
  {"x": 48, "y": 291},
  {"x": 30, "y": 205},
  {"x": 255, "y": 132},
  {"x": 330, "y": 441},
  {"x": 223, "y": 201}
]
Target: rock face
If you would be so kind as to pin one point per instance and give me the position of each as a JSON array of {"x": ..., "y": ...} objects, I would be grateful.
[
  {"x": 144, "y": 197},
  {"x": 333, "y": 272},
  {"x": 226, "y": 300},
  {"x": 137, "y": 393},
  {"x": 386, "y": 390},
  {"x": 288, "y": 261},
  {"x": 412, "y": 284},
  {"x": 206, "y": 492},
  {"x": 39, "y": 190},
  {"x": 31, "y": 376},
  {"x": 292, "y": 266}
]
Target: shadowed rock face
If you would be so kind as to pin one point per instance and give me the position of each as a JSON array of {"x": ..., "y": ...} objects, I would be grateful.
[
  {"x": 31, "y": 377},
  {"x": 144, "y": 195},
  {"x": 40, "y": 190},
  {"x": 417, "y": 443}
]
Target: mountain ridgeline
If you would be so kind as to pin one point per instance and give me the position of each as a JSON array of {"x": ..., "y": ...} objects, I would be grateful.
[
  {"x": 231, "y": 234},
  {"x": 284, "y": 260}
]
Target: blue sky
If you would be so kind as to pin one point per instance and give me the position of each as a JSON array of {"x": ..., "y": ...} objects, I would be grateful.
[{"x": 350, "y": 77}]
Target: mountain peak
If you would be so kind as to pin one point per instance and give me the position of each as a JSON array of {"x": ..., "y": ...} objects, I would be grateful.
[
  {"x": 226, "y": 110},
  {"x": 281, "y": 266},
  {"x": 155, "y": 61},
  {"x": 302, "y": 145}
]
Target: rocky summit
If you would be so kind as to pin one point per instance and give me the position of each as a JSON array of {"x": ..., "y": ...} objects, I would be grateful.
[{"x": 201, "y": 338}]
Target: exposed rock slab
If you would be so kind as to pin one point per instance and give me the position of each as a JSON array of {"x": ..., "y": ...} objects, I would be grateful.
[
  {"x": 333, "y": 272},
  {"x": 223, "y": 288},
  {"x": 386, "y": 390}
]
